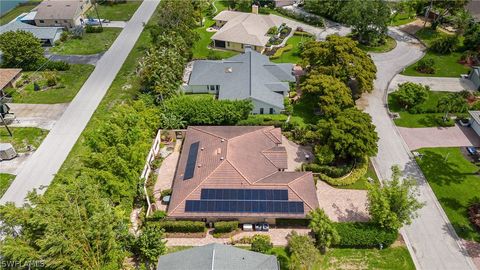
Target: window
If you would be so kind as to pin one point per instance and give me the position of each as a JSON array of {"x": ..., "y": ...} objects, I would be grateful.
[
  {"x": 242, "y": 46},
  {"x": 261, "y": 110},
  {"x": 212, "y": 87},
  {"x": 65, "y": 21},
  {"x": 217, "y": 87},
  {"x": 56, "y": 21},
  {"x": 271, "y": 111},
  {"x": 42, "y": 21}
]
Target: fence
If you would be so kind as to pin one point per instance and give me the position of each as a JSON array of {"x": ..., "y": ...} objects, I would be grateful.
[{"x": 147, "y": 168}]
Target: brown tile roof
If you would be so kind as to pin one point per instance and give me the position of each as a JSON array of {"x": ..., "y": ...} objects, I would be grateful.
[
  {"x": 59, "y": 9},
  {"x": 7, "y": 75},
  {"x": 237, "y": 157}
]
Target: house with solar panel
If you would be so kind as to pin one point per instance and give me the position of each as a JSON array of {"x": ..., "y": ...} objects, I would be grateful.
[
  {"x": 238, "y": 173},
  {"x": 250, "y": 75}
]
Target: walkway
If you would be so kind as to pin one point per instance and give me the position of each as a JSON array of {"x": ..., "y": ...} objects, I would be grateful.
[
  {"x": 49, "y": 157},
  {"x": 345, "y": 205},
  {"x": 91, "y": 59},
  {"x": 278, "y": 237},
  {"x": 431, "y": 239},
  {"x": 435, "y": 83},
  {"x": 439, "y": 137},
  {"x": 165, "y": 175},
  {"x": 37, "y": 115}
]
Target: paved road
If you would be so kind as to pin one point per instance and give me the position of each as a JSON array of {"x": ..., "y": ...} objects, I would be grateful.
[
  {"x": 433, "y": 242},
  {"x": 45, "y": 163},
  {"x": 435, "y": 83}
]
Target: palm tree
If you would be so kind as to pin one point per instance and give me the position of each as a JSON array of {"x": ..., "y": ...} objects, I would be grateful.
[
  {"x": 451, "y": 102},
  {"x": 462, "y": 20}
]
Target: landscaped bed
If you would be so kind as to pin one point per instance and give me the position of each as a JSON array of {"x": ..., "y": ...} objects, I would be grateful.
[
  {"x": 5, "y": 181},
  {"x": 389, "y": 45},
  {"x": 23, "y": 137},
  {"x": 68, "y": 84},
  {"x": 292, "y": 55},
  {"x": 455, "y": 182},
  {"x": 90, "y": 43}
]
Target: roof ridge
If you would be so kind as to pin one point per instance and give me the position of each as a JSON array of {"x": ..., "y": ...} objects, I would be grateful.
[
  {"x": 207, "y": 132},
  {"x": 294, "y": 191},
  {"x": 239, "y": 172},
  {"x": 266, "y": 176}
]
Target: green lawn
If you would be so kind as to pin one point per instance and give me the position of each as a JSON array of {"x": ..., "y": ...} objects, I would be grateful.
[
  {"x": 446, "y": 65},
  {"x": 455, "y": 181},
  {"x": 304, "y": 110},
  {"x": 402, "y": 18},
  {"x": 90, "y": 43},
  {"x": 15, "y": 12},
  {"x": 69, "y": 84},
  {"x": 417, "y": 120},
  {"x": 362, "y": 182},
  {"x": 389, "y": 45},
  {"x": 117, "y": 12},
  {"x": 293, "y": 55},
  {"x": 201, "y": 50},
  {"x": 427, "y": 35},
  {"x": 22, "y": 137},
  {"x": 5, "y": 181}
]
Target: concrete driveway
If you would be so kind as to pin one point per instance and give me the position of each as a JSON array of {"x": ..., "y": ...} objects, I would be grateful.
[
  {"x": 37, "y": 115},
  {"x": 41, "y": 168},
  {"x": 296, "y": 154},
  {"x": 90, "y": 59},
  {"x": 439, "y": 137},
  {"x": 435, "y": 83}
]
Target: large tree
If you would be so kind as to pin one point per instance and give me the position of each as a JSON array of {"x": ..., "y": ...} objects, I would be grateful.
[
  {"x": 351, "y": 135},
  {"x": 326, "y": 8},
  {"x": 395, "y": 203},
  {"x": 21, "y": 50},
  {"x": 340, "y": 57},
  {"x": 411, "y": 94},
  {"x": 369, "y": 19},
  {"x": 331, "y": 93},
  {"x": 151, "y": 244},
  {"x": 453, "y": 102},
  {"x": 323, "y": 228},
  {"x": 443, "y": 8},
  {"x": 304, "y": 255}
]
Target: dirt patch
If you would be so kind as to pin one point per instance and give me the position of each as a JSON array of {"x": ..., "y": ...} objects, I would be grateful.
[{"x": 226, "y": 235}]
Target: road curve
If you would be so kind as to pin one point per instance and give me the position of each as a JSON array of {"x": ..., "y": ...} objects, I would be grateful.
[
  {"x": 41, "y": 168},
  {"x": 431, "y": 239}
]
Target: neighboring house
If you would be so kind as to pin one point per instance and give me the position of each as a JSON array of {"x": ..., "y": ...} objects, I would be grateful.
[
  {"x": 474, "y": 8},
  {"x": 61, "y": 13},
  {"x": 8, "y": 76},
  {"x": 475, "y": 121},
  {"x": 47, "y": 35},
  {"x": 238, "y": 173},
  {"x": 217, "y": 257},
  {"x": 239, "y": 29},
  {"x": 245, "y": 76},
  {"x": 474, "y": 76}
]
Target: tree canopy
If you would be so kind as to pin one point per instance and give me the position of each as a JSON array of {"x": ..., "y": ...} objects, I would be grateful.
[
  {"x": 395, "y": 203},
  {"x": 331, "y": 93},
  {"x": 323, "y": 228},
  {"x": 411, "y": 94},
  {"x": 304, "y": 255},
  {"x": 21, "y": 49},
  {"x": 340, "y": 57}
]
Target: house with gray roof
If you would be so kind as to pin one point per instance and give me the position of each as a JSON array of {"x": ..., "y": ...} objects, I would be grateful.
[
  {"x": 245, "y": 76},
  {"x": 217, "y": 257},
  {"x": 474, "y": 76},
  {"x": 47, "y": 35}
]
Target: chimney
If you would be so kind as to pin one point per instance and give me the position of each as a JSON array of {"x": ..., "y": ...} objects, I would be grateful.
[{"x": 254, "y": 9}]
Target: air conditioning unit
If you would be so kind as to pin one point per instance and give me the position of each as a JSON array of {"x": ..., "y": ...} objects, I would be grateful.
[{"x": 7, "y": 151}]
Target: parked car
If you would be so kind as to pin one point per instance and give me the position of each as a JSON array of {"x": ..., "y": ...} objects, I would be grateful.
[
  {"x": 471, "y": 150},
  {"x": 258, "y": 227},
  {"x": 266, "y": 227},
  {"x": 262, "y": 227},
  {"x": 247, "y": 227}
]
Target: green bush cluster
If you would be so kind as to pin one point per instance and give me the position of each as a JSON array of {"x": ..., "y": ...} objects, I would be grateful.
[
  {"x": 55, "y": 65},
  {"x": 281, "y": 50},
  {"x": 204, "y": 110},
  {"x": 166, "y": 192},
  {"x": 364, "y": 235},
  {"x": 261, "y": 243},
  {"x": 306, "y": 18},
  {"x": 445, "y": 44},
  {"x": 181, "y": 226},
  {"x": 93, "y": 29},
  {"x": 426, "y": 65},
  {"x": 360, "y": 170},
  {"x": 225, "y": 226},
  {"x": 261, "y": 120},
  {"x": 157, "y": 215},
  {"x": 291, "y": 222},
  {"x": 302, "y": 34}
]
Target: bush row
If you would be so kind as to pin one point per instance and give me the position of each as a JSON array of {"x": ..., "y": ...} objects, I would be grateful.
[
  {"x": 359, "y": 171},
  {"x": 280, "y": 51},
  {"x": 364, "y": 235},
  {"x": 182, "y": 226},
  {"x": 225, "y": 226}
]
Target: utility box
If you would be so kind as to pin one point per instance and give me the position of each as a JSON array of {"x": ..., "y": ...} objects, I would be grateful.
[{"x": 7, "y": 151}]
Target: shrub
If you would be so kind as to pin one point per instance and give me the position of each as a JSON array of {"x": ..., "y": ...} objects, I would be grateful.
[
  {"x": 10, "y": 92},
  {"x": 93, "y": 29},
  {"x": 56, "y": 65},
  {"x": 292, "y": 222},
  {"x": 302, "y": 34},
  {"x": 304, "y": 254},
  {"x": 359, "y": 171},
  {"x": 364, "y": 235},
  {"x": 426, "y": 66},
  {"x": 261, "y": 243},
  {"x": 309, "y": 19},
  {"x": 273, "y": 30},
  {"x": 182, "y": 226},
  {"x": 440, "y": 121},
  {"x": 445, "y": 45},
  {"x": 280, "y": 51},
  {"x": 51, "y": 78},
  {"x": 225, "y": 226},
  {"x": 64, "y": 36},
  {"x": 411, "y": 94},
  {"x": 166, "y": 192},
  {"x": 157, "y": 215}
]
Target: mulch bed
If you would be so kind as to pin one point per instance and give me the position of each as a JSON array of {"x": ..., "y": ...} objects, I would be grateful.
[{"x": 474, "y": 215}]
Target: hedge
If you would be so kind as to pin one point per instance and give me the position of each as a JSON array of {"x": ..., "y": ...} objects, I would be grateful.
[
  {"x": 181, "y": 226},
  {"x": 364, "y": 235},
  {"x": 280, "y": 51},
  {"x": 287, "y": 222},
  {"x": 302, "y": 34},
  {"x": 360, "y": 170},
  {"x": 225, "y": 226}
]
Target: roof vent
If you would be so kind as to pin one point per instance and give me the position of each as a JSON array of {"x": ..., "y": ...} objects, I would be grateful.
[
  {"x": 222, "y": 158},
  {"x": 199, "y": 165},
  {"x": 222, "y": 140},
  {"x": 228, "y": 70},
  {"x": 203, "y": 148}
]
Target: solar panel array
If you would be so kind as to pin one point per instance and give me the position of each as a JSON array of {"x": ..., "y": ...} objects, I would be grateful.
[
  {"x": 244, "y": 201},
  {"x": 191, "y": 161}
]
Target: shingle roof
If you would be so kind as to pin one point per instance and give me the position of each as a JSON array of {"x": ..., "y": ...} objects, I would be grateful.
[
  {"x": 245, "y": 28},
  {"x": 59, "y": 9},
  {"x": 7, "y": 75},
  {"x": 238, "y": 157},
  {"x": 247, "y": 75},
  {"x": 217, "y": 257},
  {"x": 38, "y": 32}
]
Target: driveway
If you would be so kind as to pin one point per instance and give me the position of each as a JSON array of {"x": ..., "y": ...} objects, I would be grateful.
[
  {"x": 115, "y": 24},
  {"x": 90, "y": 59},
  {"x": 430, "y": 238},
  {"x": 345, "y": 205},
  {"x": 41, "y": 168},
  {"x": 439, "y": 137},
  {"x": 295, "y": 154},
  {"x": 435, "y": 83},
  {"x": 37, "y": 115}
]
